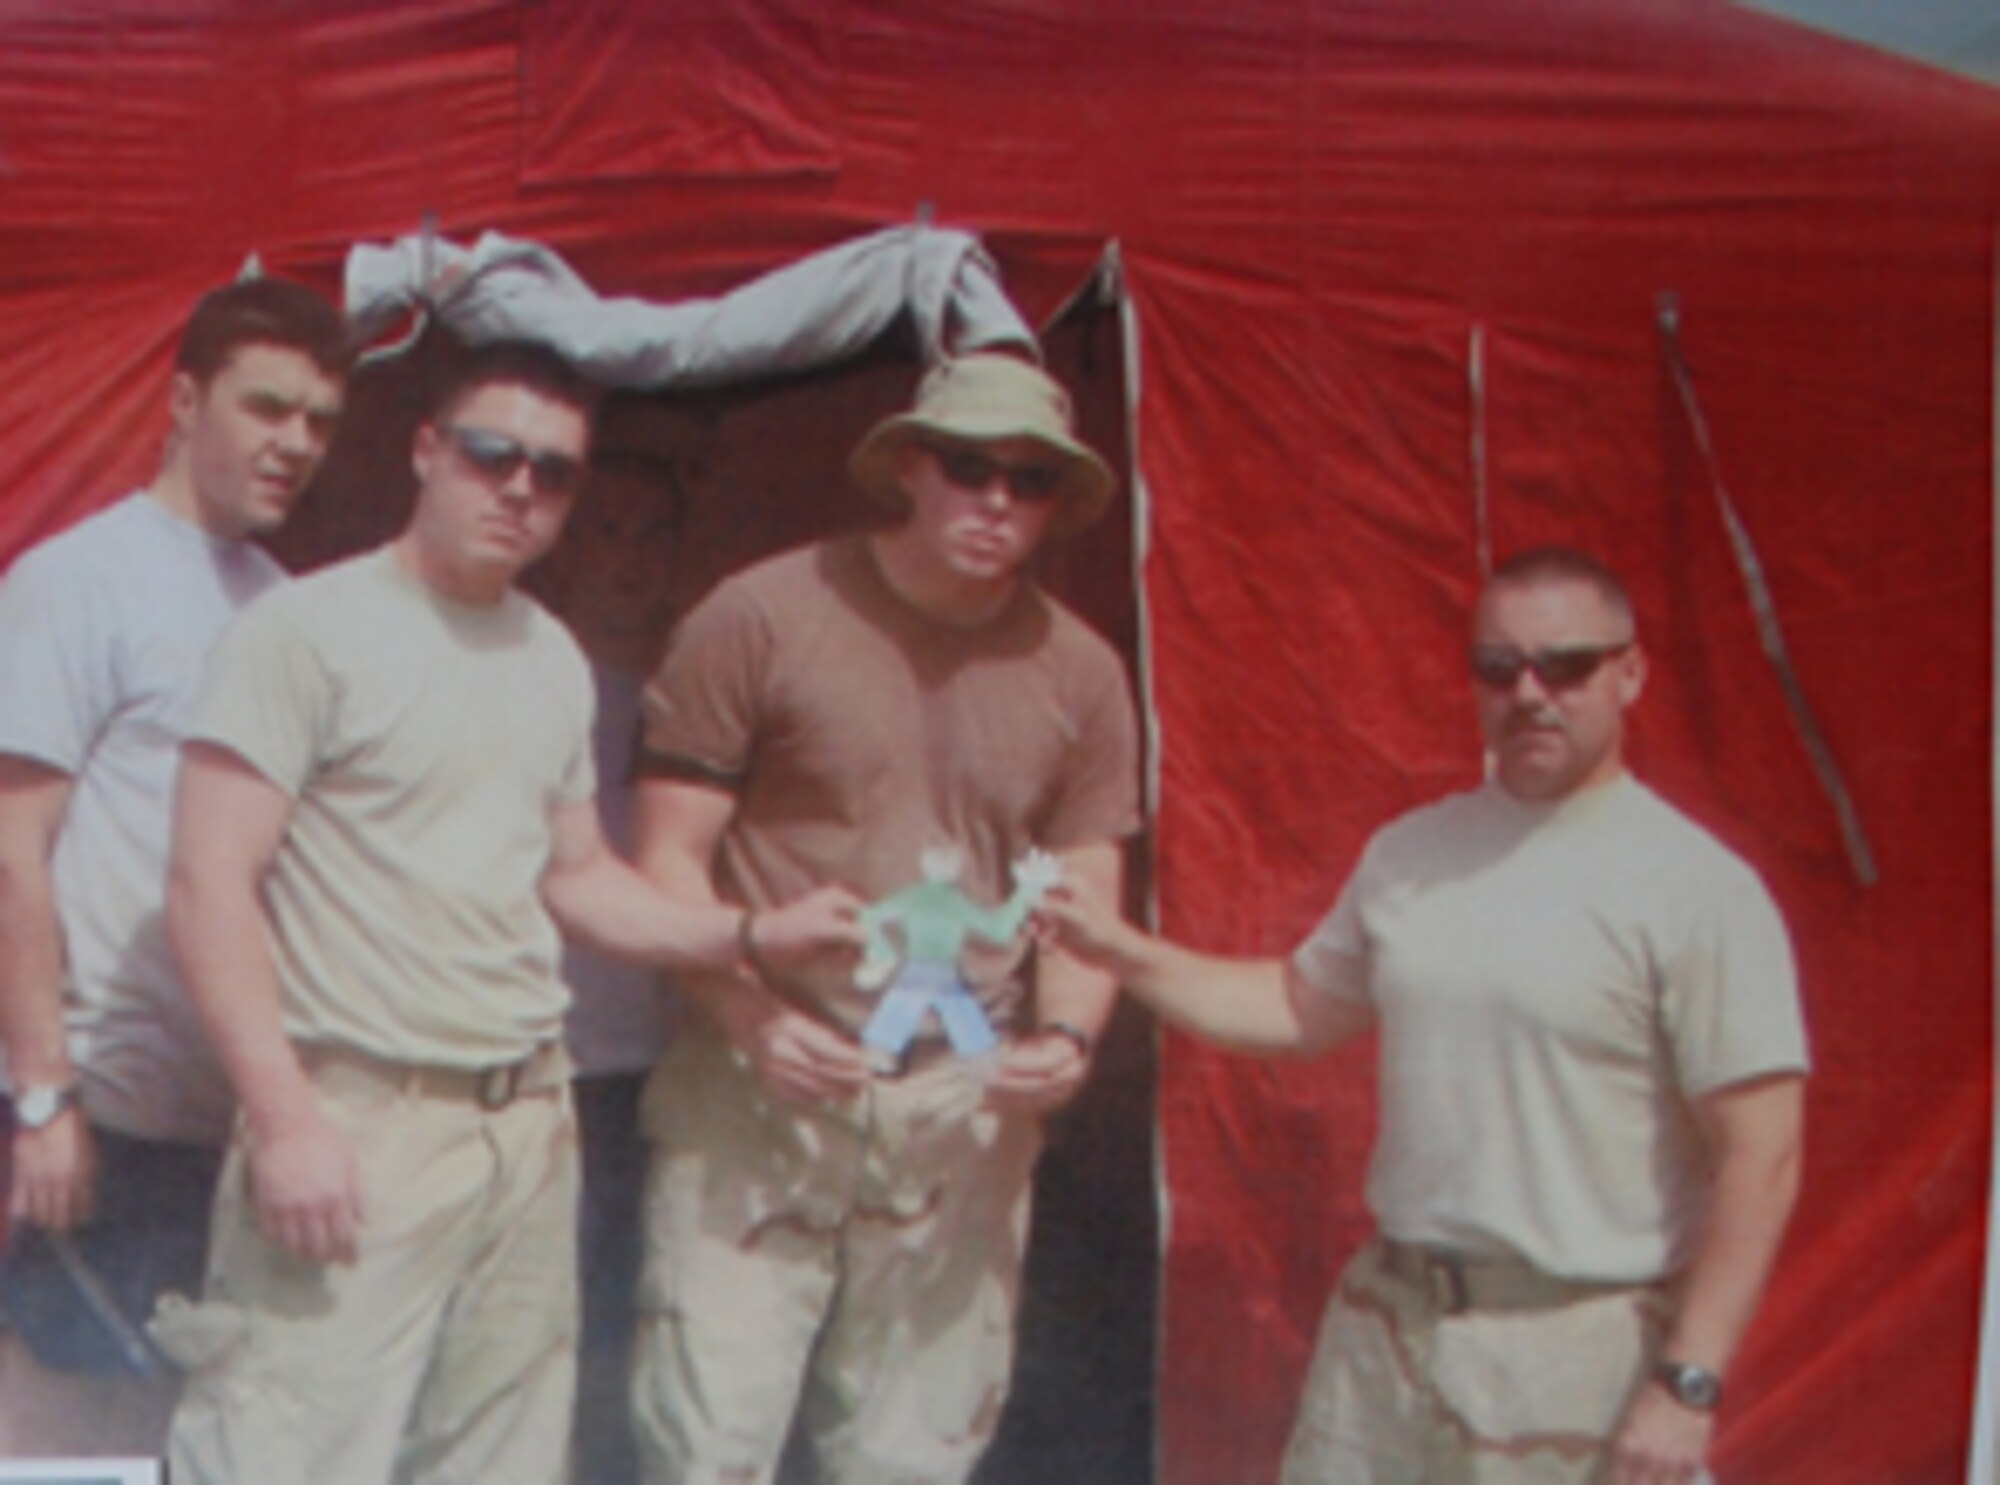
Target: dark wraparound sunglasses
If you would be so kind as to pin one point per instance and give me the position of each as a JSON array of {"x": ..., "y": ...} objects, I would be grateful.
[
  {"x": 1500, "y": 666},
  {"x": 970, "y": 469},
  {"x": 499, "y": 458}
]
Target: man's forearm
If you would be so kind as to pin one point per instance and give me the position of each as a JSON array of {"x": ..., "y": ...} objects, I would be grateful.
[
  {"x": 31, "y": 997},
  {"x": 1073, "y": 994},
  {"x": 613, "y": 909},
  {"x": 219, "y": 934},
  {"x": 1240, "y": 1004},
  {"x": 1754, "y": 1188}
]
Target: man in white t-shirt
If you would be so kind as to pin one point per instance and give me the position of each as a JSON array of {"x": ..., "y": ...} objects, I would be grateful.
[
  {"x": 1592, "y": 1059},
  {"x": 119, "y": 1111},
  {"x": 385, "y": 811}
]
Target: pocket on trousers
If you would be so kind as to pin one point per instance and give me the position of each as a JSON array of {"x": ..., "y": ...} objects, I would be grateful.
[
  {"x": 196, "y": 1336},
  {"x": 1565, "y": 1371}
]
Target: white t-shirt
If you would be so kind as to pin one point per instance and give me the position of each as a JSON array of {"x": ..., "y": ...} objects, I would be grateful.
[
  {"x": 619, "y": 1019},
  {"x": 1554, "y": 984},
  {"x": 103, "y": 633},
  {"x": 426, "y": 745}
]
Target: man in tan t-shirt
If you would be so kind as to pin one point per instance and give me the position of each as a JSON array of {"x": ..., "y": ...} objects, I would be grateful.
[
  {"x": 1591, "y": 1068},
  {"x": 823, "y": 1240},
  {"x": 385, "y": 810}
]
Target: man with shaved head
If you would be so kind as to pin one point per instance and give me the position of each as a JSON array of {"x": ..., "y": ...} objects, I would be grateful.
[{"x": 1592, "y": 1060}]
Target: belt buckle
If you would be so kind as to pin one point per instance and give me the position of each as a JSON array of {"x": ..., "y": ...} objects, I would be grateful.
[
  {"x": 497, "y": 1086},
  {"x": 1444, "y": 1278}
]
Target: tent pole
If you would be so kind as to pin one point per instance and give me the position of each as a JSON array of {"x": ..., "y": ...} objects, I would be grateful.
[{"x": 1983, "y": 1468}]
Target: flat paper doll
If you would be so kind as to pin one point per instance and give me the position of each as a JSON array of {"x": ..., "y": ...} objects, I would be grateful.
[{"x": 936, "y": 918}]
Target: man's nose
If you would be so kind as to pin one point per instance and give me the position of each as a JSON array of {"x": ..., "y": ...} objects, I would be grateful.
[
  {"x": 519, "y": 485},
  {"x": 1529, "y": 687},
  {"x": 996, "y": 494},
  {"x": 297, "y": 437}
]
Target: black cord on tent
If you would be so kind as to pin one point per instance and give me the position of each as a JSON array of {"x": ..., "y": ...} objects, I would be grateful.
[{"x": 1769, "y": 632}]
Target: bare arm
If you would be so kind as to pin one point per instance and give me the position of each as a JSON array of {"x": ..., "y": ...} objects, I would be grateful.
[
  {"x": 597, "y": 898},
  {"x": 1246, "y": 1005},
  {"x": 1756, "y": 1134},
  {"x": 228, "y": 822},
  {"x": 53, "y": 1166},
  {"x": 677, "y": 828}
]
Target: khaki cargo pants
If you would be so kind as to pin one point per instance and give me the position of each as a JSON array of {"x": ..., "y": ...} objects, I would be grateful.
[
  {"x": 857, "y": 1265},
  {"x": 445, "y": 1353},
  {"x": 1528, "y": 1391}
]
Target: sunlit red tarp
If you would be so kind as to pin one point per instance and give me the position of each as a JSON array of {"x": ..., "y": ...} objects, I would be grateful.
[{"x": 1317, "y": 201}]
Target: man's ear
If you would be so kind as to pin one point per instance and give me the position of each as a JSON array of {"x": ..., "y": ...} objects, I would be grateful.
[
  {"x": 183, "y": 400},
  {"x": 1631, "y": 675},
  {"x": 424, "y": 452}
]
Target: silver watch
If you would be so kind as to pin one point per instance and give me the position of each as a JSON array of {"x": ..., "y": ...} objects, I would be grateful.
[
  {"x": 1692, "y": 1386},
  {"x": 38, "y": 1105}
]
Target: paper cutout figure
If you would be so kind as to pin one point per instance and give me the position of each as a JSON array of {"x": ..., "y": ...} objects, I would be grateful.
[{"x": 936, "y": 919}]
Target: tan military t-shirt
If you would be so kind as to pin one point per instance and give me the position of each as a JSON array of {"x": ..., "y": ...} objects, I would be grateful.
[
  {"x": 425, "y": 744},
  {"x": 855, "y": 731},
  {"x": 1556, "y": 985}
]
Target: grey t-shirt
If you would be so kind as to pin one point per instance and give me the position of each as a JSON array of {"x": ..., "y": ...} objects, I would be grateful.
[{"x": 103, "y": 633}]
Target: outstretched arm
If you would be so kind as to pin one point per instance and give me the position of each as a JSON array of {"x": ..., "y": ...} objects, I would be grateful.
[
  {"x": 54, "y": 1166},
  {"x": 1756, "y": 1132},
  {"x": 597, "y": 898},
  {"x": 1246, "y": 1005},
  {"x": 228, "y": 822},
  {"x": 679, "y": 826}
]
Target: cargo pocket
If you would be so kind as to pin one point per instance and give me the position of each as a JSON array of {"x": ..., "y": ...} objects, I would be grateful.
[
  {"x": 961, "y": 1376},
  {"x": 198, "y": 1337},
  {"x": 1565, "y": 1373}
]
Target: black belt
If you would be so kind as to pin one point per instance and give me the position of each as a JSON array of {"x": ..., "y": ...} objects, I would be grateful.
[{"x": 543, "y": 1070}]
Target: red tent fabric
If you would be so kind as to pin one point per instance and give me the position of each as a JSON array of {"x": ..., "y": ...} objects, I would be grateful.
[{"x": 1317, "y": 201}]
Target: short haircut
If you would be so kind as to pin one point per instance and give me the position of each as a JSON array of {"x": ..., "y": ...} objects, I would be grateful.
[
  {"x": 519, "y": 363},
  {"x": 1561, "y": 564},
  {"x": 263, "y": 311}
]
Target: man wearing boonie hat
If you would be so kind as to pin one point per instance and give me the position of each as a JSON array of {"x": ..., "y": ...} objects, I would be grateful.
[{"x": 825, "y": 1240}]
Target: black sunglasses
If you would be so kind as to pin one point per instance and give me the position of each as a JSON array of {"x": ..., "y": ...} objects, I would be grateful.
[
  {"x": 970, "y": 469},
  {"x": 1500, "y": 666},
  {"x": 498, "y": 458}
]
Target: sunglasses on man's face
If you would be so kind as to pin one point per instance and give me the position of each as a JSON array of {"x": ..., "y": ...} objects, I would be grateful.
[
  {"x": 969, "y": 469},
  {"x": 499, "y": 458},
  {"x": 1559, "y": 669}
]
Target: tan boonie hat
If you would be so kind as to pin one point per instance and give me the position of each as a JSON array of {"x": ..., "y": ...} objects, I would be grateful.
[{"x": 983, "y": 398}]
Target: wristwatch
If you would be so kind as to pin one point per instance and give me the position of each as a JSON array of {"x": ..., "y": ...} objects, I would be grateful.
[
  {"x": 37, "y": 1105},
  {"x": 1692, "y": 1386}
]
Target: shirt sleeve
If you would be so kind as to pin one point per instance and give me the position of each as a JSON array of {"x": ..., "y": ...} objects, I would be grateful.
[
  {"x": 266, "y": 696},
  {"x": 700, "y": 709},
  {"x": 58, "y": 672},
  {"x": 1729, "y": 995},
  {"x": 1340, "y": 935},
  {"x": 1097, "y": 798}
]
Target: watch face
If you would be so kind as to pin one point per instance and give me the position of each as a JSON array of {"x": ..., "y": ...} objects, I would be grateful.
[
  {"x": 1696, "y": 1386},
  {"x": 35, "y": 1107}
]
